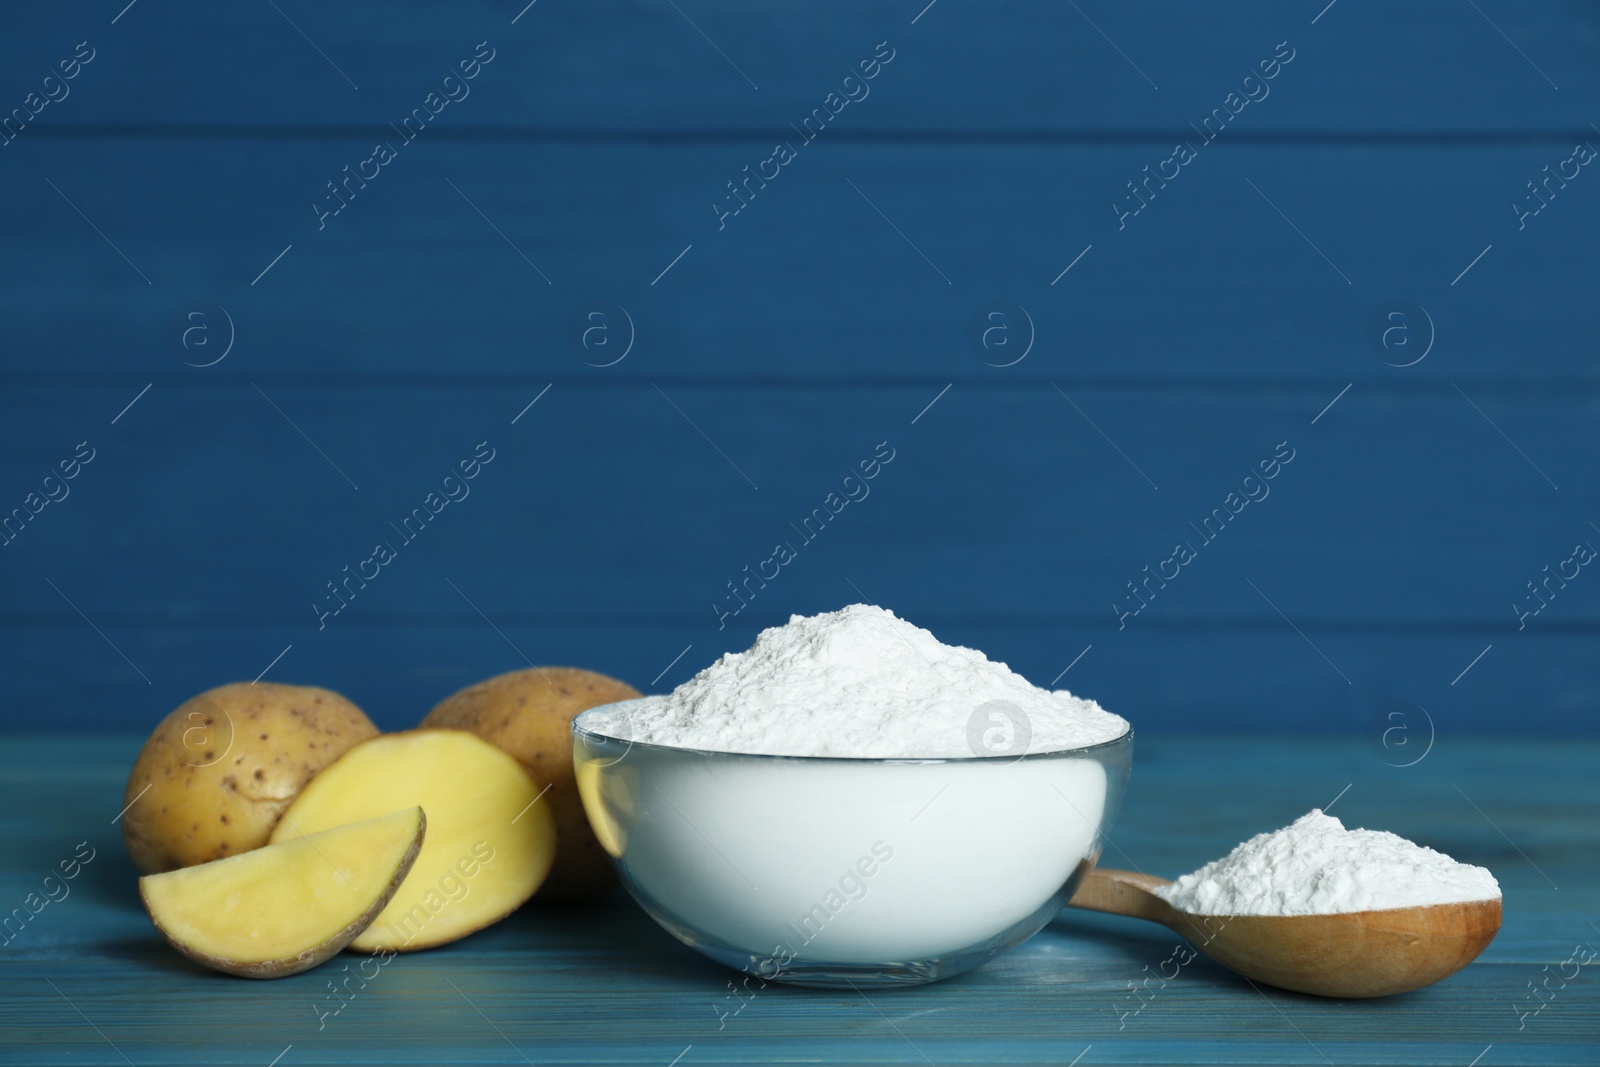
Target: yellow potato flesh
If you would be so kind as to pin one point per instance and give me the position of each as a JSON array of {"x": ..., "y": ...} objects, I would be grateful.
[
  {"x": 528, "y": 713},
  {"x": 491, "y": 838},
  {"x": 280, "y": 909},
  {"x": 606, "y": 789}
]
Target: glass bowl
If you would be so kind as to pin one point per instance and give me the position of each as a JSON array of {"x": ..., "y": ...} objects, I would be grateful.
[{"x": 830, "y": 871}]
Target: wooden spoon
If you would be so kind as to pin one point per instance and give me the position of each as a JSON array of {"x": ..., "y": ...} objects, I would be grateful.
[{"x": 1353, "y": 954}]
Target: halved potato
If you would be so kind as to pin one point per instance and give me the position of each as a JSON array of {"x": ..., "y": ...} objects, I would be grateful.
[
  {"x": 285, "y": 908},
  {"x": 491, "y": 838},
  {"x": 529, "y": 713}
]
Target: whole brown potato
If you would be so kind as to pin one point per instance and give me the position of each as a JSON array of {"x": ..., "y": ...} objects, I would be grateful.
[
  {"x": 214, "y": 778},
  {"x": 528, "y": 714}
]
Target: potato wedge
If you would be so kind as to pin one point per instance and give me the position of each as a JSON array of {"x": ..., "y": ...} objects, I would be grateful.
[{"x": 282, "y": 909}]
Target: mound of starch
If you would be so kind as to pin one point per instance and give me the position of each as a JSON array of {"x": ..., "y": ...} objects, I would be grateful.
[
  {"x": 860, "y": 682},
  {"x": 1314, "y": 866}
]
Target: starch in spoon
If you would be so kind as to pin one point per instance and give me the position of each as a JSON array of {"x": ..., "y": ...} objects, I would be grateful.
[{"x": 1315, "y": 866}]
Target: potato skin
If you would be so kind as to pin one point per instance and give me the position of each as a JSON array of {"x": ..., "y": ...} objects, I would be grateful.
[
  {"x": 528, "y": 714},
  {"x": 215, "y": 776}
]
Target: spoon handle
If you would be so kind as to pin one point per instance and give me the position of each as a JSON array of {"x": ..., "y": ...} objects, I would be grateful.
[{"x": 1123, "y": 893}]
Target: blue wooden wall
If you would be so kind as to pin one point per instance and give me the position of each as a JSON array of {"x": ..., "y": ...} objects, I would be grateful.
[{"x": 173, "y": 197}]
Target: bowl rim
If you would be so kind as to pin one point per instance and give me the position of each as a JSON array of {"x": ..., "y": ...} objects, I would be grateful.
[{"x": 1060, "y": 753}]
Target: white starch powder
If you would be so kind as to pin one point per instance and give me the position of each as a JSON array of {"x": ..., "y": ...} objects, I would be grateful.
[
  {"x": 1314, "y": 866},
  {"x": 754, "y": 851},
  {"x": 860, "y": 682}
]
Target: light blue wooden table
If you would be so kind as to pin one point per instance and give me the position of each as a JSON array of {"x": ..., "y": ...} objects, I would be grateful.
[{"x": 88, "y": 981}]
